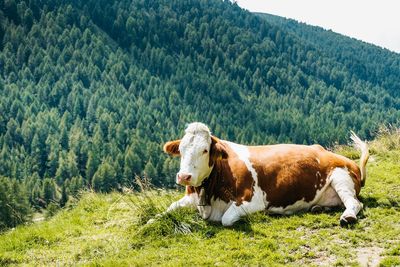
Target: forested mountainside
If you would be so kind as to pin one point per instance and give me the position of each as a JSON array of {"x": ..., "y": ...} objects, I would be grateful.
[
  {"x": 90, "y": 90},
  {"x": 366, "y": 61}
]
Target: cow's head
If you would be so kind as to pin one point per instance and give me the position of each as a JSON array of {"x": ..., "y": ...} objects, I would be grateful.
[{"x": 198, "y": 150}]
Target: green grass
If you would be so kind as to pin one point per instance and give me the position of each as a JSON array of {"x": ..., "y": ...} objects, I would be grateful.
[{"x": 109, "y": 230}]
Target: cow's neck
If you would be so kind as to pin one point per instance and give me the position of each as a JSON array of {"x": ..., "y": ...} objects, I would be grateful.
[{"x": 218, "y": 185}]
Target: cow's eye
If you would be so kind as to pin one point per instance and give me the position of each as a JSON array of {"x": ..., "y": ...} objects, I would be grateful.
[{"x": 205, "y": 151}]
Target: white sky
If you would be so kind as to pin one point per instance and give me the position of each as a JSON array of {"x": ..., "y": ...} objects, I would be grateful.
[{"x": 373, "y": 21}]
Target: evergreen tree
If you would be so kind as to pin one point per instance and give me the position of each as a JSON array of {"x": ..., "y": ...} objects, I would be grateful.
[
  {"x": 62, "y": 173},
  {"x": 104, "y": 180},
  {"x": 75, "y": 185},
  {"x": 64, "y": 196},
  {"x": 92, "y": 165},
  {"x": 14, "y": 205},
  {"x": 48, "y": 190},
  {"x": 131, "y": 166},
  {"x": 150, "y": 171}
]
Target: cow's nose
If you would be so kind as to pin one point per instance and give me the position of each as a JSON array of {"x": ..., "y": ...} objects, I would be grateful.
[{"x": 184, "y": 177}]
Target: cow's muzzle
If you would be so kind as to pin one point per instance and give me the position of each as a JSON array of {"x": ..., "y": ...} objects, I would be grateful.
[{"x": 183, "y": 178}]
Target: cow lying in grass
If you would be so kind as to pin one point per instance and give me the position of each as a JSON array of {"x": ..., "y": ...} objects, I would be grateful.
[{"x": 225, "y": 181}]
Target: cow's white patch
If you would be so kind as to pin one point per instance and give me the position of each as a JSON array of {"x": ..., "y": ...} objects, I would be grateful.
[
  {"x": 344, "y": 187},
  {"x": 257, "y": 203},
  {"x": 329, "y": 198},
  {"x": 317, "y": 159},
  {"x": 299, "y": 205},
  {"x": 244, "y": 155},
  {"x": 218, "y": 208}
]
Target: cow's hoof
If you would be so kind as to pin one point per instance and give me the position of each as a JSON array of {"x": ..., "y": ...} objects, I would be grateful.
[
  {"x": 153, "y": 220},
  {"x": 348, "y": 220},
  {"x": 316, "y": 209},
  {"x": 205, "y": 211}
]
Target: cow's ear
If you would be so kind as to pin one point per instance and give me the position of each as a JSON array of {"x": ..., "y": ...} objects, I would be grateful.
[
  {"x": 221, "y": 151},
  {"x": 217, "y": 150},
  {"x": 172, "y": 147}
]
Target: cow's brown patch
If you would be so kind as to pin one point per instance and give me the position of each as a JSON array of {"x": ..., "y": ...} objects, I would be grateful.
[
  {"x": 230, "y": 180},
  {"x": 289, "y": 173},
  {"x": 218, "y": 151}
]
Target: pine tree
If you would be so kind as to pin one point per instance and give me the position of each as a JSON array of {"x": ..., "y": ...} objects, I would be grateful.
[
  {"x": 150, "y": 171},
  {"x": 14, "y": 204},
  {"x": 64, "y": 196},
  {"x": 132, "y": 165},
  {"x": 63, "y": 172},
  {"x": 92, "y": 165},
  {"x": 64, "y": 138},
  {"x": 48, "y": 190},
  {"x": 104, "y": 180},
  {"x": 52, "y": 164},
  {"x": 75, "y": 185}
]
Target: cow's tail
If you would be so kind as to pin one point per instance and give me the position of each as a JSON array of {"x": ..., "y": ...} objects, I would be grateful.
[{"x": 359, "y": 144}]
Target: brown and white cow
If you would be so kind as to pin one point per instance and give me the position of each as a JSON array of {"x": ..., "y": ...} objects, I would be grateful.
[{"x": 225, "y": 181}]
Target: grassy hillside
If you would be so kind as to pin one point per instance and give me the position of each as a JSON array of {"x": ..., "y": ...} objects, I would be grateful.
[{"x": 111, "y": 229}]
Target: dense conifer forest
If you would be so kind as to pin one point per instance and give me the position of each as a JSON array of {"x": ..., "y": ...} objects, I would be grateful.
[{"x": 90, "y": 90}]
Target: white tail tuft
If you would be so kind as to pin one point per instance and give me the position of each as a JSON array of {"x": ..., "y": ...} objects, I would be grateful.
[{"x": 360, "y": 145}]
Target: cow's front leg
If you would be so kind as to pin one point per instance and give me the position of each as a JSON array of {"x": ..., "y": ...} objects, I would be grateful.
[
  {"x": 235, "y": 211},
  {"x": 192, "y": 201},
  {"x": 189, "y": 201}
]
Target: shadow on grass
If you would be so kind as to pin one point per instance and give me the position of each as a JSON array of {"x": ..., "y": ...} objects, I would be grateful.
[
  {"x": 370, "y": 202},
  {"x": 386, "y": 202},
  {"x": 5, "y": 261},
  {"x": 213, "y": 228}
]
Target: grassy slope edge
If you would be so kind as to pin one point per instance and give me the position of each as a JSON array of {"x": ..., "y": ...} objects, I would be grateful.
[{"x": 111, "y": 229}]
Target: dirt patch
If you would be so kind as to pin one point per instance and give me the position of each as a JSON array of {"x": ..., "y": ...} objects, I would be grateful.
[
  {"x": 322, "y": 259},
  {"x": 369, "y": 256},
  {"x": 38, "y": 217}
]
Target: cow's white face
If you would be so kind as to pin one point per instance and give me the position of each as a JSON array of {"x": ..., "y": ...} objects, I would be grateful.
[
  {"x": 199, "y": 151},
  {"x": 195, "y": 157}
]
